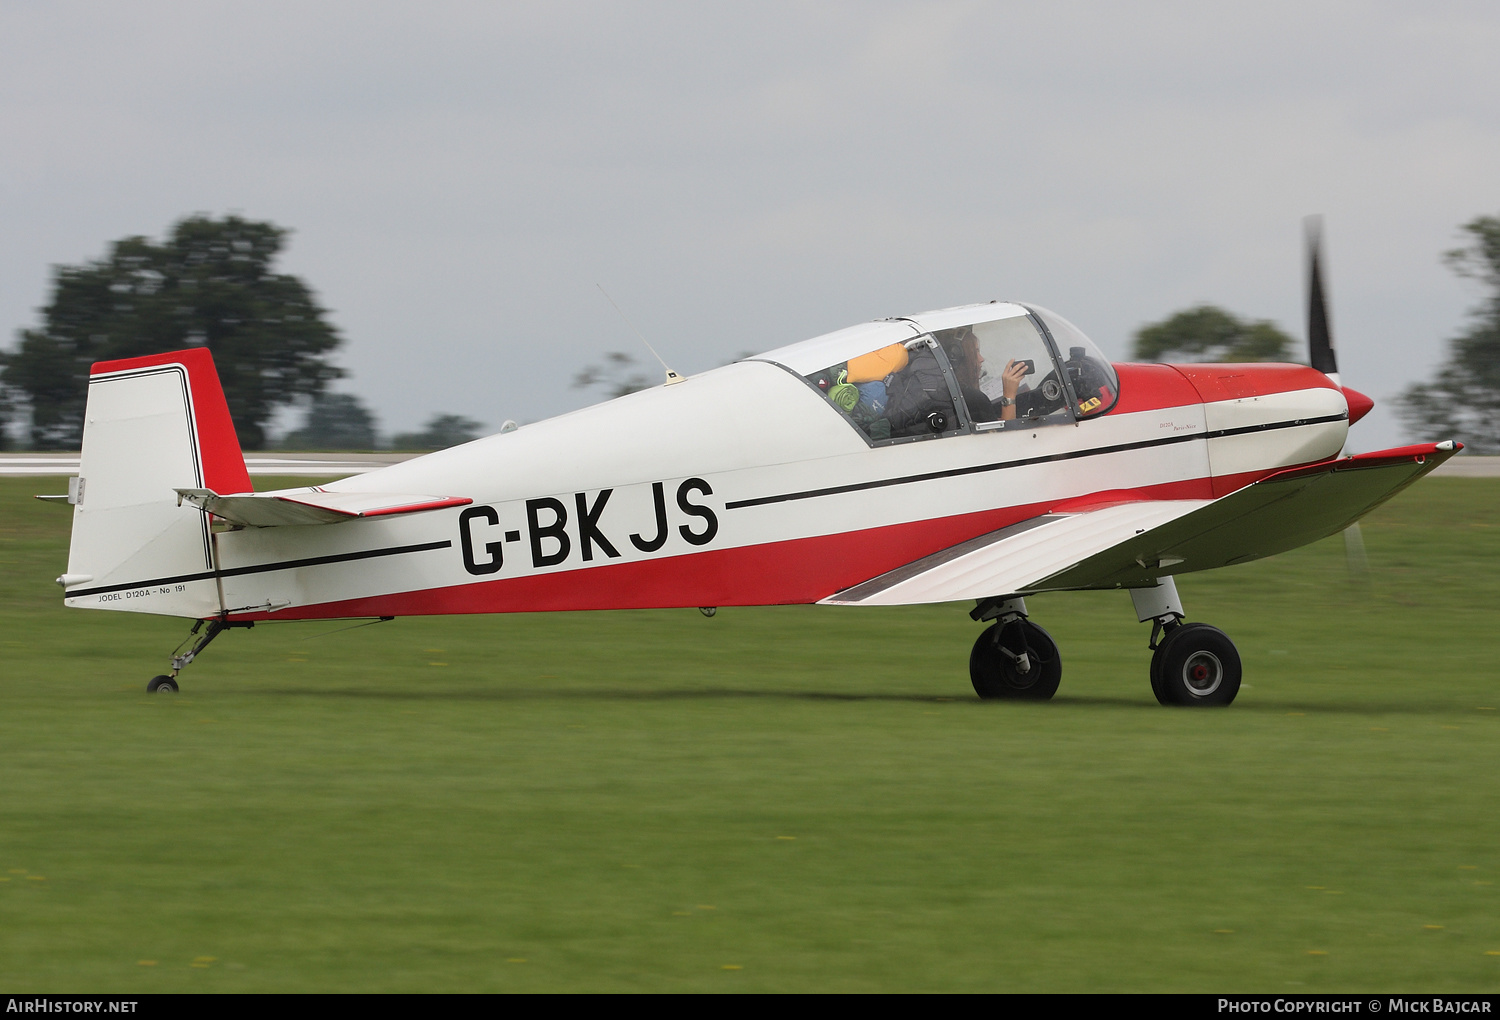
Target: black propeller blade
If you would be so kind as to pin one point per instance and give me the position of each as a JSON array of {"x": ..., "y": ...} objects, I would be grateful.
[
  {"x": 1320, "y": 356},
  {"x": 1319, "y": 338}
]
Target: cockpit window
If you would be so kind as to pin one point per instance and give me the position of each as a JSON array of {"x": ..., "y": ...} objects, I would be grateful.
[
  {"x": 1089, "y": 373},
  {"x": 897, "y": 392},
  {"x": 1005, "y": 373},
  {"x": 983, "y": 376}
]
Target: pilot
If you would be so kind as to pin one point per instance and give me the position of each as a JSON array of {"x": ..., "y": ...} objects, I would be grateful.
[{"x": 968, "y": 365}]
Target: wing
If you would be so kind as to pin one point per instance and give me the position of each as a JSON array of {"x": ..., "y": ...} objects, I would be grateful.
[
  {"x": 311, "y": 506},
  {"x": 1130, "y": 545}
]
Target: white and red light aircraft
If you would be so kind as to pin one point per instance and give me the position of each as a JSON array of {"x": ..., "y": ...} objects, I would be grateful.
[{"x": 883, "y": 464}]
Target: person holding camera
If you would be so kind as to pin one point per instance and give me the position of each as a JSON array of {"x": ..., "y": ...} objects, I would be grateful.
[{"x": 968, "y": 365}]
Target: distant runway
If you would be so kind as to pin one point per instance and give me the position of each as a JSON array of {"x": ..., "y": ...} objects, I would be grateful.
[
  {"x": 317, "y": 465},
  {"x": 1470, "y": 467},
  {"x": 330, "y": 465}
]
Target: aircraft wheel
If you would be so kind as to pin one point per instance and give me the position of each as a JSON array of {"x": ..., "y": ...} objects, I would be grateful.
[
  {"x": 162, "y": 683},
  {"x": 1195, "y": 664},
  {"x": 1157, "y": 687},
  {"x": 997, "y": 675}
]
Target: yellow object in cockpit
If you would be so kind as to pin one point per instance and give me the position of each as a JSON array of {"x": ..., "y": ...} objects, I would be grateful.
[{"x": 876, "y": 365}]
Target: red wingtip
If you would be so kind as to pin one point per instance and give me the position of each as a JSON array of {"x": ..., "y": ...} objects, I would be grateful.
[{"x": 1359, "y": 404}]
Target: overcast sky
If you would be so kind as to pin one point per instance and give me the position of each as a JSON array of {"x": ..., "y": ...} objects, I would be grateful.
[{"x": 460, "y": 176}]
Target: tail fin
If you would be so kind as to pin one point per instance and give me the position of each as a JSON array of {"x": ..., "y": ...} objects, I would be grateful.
[{"x": 151, "y": 425}]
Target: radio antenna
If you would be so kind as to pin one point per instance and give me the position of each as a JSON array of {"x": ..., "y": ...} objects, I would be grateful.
[{"x": 672, "y": 377}]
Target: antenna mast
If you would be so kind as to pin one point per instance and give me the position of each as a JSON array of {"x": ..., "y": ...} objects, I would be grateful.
[{"x": 672, "y": 377}]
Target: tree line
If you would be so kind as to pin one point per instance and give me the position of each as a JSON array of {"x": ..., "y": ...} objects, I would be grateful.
[{"x": 212, "y": 283}]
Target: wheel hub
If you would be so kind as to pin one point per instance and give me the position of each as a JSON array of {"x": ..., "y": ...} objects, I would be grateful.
[{"x": 1202, "y": 673}]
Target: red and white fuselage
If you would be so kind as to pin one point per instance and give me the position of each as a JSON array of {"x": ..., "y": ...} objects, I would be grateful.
[{"x": 744, "y": 485}]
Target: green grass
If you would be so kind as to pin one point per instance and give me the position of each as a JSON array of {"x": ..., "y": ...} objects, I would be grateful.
[{"x": 638, "y": 801}]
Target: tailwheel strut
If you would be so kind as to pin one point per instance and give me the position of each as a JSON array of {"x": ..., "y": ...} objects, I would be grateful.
[{"x": 216, "y": 626}]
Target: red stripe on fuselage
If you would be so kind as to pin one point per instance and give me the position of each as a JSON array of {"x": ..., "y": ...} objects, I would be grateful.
[{"x": 795, "y": 571}]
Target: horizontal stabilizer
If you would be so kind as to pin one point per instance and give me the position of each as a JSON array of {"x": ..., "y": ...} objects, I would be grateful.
[{"x": 311, "y": 506}]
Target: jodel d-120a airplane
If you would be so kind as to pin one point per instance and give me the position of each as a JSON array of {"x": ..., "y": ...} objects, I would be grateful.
[{"x": 986, "y": 452}]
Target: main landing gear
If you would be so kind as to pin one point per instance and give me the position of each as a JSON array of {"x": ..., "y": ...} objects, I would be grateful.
[
  {"x": 1191, "y": 664},
  {"x": 167, "y": 682},
  {"x": 1014, "y": 658}
]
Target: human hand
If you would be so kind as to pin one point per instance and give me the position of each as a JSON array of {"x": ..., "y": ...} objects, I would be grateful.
[{"x": 1010, "y": 379}]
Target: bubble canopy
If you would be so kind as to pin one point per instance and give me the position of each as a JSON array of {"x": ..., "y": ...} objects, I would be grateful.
[
  {"x": 1089, "y": 372},
  {"x": 1083, "y": 382}
]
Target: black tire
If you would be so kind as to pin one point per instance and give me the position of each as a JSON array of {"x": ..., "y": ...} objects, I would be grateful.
[
  {"x": 995, "y": 675},
  {"x": 1157, "y": 687},
  {"x": 162, "y": 683},
  {"x": 1196, "y": 665}
]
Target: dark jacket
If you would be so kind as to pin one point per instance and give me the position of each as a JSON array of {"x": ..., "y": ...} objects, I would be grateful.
[{"x": 917, "y": 391}]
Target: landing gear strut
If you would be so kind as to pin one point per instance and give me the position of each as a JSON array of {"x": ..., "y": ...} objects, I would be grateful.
[
  {"x": 1014, "y": 658},
  {"x": 1192, "y": 663},
  {"x": 168, "y": 681}
]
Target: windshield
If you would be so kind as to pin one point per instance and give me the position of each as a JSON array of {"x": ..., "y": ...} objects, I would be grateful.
[{"x": 1095, "y": 384}]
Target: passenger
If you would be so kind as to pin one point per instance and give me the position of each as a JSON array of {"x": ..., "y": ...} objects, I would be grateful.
[{"x": 968, "y": 365}]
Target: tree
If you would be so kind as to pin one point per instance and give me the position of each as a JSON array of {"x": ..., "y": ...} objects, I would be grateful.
[
  {"x": 210, "y": 283},
  {"x": 440, "y": 432},
  {"x": 335, "y": 421},
  {"x": 1463, "y": 402},
  {"x": 1208, "y": 333},
  {"x": 616, "y": 375},
  {"x": 6, "y": 409}
]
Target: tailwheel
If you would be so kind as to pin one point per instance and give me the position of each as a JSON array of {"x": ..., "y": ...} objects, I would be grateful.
[
  {"x": 1195, "y": 664},
  {"x": 162, "y": 683},
  {"x": 1015, "y": 659}
]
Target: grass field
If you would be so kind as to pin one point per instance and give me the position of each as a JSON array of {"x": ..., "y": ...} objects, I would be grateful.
[{"x": 793, "y": 798}]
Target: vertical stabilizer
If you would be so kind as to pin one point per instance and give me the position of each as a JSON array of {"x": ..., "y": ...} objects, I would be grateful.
[{"x": 151, "y": 425}]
